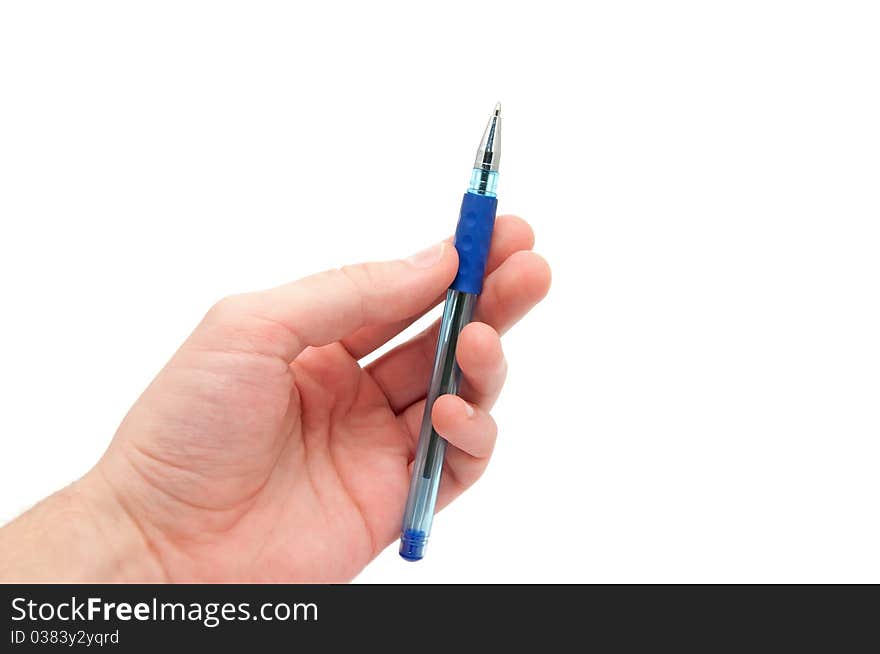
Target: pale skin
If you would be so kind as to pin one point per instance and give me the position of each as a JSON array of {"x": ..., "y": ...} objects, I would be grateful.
[{"x": 265, "y": 452}]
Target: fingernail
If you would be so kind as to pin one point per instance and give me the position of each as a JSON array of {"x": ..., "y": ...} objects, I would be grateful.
[
  {"x": 469, "y": 410},
  {"x": 428, "y": 257}
]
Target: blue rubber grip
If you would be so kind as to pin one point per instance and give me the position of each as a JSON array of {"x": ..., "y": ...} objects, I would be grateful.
[{"x": 472, "y": 237}]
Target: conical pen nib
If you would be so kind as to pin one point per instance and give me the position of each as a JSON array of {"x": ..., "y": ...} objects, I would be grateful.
[{"x": 489, "y": 152}]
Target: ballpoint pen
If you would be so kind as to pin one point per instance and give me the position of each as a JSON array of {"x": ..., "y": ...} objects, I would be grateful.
[{"x": 472, "y": 237}]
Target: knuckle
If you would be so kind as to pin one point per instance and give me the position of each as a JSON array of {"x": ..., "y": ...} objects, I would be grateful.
[
  {"x": 361, "y": 276},
  {"x": 227, "y": 310},
  {"x": 358, "y": 279}
]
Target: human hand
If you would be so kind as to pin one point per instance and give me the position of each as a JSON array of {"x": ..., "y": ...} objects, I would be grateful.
[{"x": 264, "y": 452}]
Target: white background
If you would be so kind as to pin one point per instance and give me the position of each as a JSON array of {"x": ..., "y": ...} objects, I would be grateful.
[{"x": 697, "y": 400}]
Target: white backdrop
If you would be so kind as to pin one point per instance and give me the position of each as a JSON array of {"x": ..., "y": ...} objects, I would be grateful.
[{"x": 698, "y": 399}]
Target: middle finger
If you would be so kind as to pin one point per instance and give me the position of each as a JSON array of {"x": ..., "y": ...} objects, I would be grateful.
[{"x": 508, "y": 294}]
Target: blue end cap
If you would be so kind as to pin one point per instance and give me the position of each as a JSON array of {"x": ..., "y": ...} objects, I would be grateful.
[
  {"x": 472, "y": 237},
  {"x": 412, "y": 544}
]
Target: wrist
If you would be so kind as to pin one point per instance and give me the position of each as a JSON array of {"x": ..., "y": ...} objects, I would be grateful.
[{"x": 82, "y": 533}]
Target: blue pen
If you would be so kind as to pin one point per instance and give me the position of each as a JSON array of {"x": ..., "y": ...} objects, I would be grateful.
[{"x": 472, "y": 237}]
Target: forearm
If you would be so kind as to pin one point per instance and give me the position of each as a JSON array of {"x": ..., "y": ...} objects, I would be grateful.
[{"x": 79, "y": 534}]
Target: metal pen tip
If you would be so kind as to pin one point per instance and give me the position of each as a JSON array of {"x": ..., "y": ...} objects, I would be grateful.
[{"x": 489, "y": 152}]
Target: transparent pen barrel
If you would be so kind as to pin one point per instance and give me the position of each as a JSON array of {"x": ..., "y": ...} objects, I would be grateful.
[{"x": 431, "y": 450}]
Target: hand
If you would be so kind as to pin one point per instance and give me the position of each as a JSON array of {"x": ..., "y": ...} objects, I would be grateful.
[{"x": 264, "y": 452}]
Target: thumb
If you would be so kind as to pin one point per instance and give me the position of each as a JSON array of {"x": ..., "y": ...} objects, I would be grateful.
[{"x": 328, "y": 306}]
